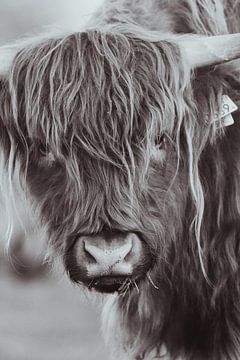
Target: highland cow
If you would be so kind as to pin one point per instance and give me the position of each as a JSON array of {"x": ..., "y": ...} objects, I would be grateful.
[{"x": 117, "y": 136}]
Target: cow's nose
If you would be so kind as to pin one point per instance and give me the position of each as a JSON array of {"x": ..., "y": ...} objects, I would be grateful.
[{"x": 107, "y": 254}]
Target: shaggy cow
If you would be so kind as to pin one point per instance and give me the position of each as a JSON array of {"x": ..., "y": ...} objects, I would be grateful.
[{"x": 117, "y": 136}]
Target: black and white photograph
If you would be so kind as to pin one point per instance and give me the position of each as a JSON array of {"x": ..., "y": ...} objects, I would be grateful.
[{"x": 120, "y": 180}]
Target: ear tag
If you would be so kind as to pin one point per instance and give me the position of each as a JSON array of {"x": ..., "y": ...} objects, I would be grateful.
[
  {"x": 228, "y": 120},
  {"x": 227, "y": 108}
]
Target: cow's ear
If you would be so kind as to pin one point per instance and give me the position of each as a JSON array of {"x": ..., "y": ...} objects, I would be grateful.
[
  {"x": 7, "y": 55},
  {"x": 210, "y": 50}
]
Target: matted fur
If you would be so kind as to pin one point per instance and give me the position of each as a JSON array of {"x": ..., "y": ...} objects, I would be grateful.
[{"x": 80, "y": 115}]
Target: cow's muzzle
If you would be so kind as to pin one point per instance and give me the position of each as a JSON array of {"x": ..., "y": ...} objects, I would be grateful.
[{"x": 107, "y": 261}]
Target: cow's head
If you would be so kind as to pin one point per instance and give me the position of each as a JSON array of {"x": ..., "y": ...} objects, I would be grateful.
[{"x": 105, "y": 126}]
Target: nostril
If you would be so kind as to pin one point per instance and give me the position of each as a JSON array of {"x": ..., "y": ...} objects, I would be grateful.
[
  {"x": 88, "y": 255},
  {"x": 107, "y": 254}
]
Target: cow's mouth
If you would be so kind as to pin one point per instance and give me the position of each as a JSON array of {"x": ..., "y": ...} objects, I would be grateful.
[{"x": 110, "y": 284}]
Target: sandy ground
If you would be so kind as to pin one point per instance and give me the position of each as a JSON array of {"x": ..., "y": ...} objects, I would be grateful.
[{"x": 47, "y": 319}]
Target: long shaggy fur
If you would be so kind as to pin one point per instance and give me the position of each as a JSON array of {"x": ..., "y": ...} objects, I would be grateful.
[{"x": 79, "y": 119}]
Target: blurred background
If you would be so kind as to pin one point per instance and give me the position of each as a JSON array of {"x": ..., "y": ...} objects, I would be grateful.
[
  {"x": 42, "y": 315},
  {"x": 21, "y": 17}
]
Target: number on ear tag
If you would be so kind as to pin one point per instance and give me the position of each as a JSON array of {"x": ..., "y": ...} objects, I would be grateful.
[{"x": 227, "y": 108}]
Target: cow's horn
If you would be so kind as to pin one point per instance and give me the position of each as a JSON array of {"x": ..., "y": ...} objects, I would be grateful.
[
  {"x": 210, "y": 50},
  {"x": 199, "y": 50}
]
